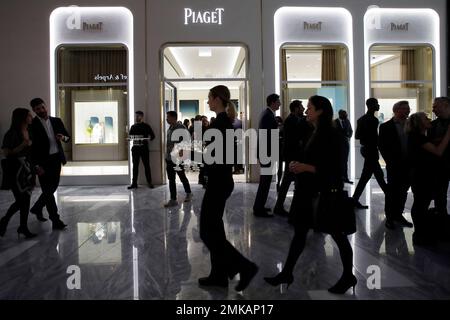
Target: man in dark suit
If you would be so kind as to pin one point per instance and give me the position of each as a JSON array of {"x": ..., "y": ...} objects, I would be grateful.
[
  {"x": 393, "y": 147},
  {"x": 47, "y": 156},
  {"x": 267, "y": 122},
  {"x": 441, "y": 108},
  {"x": 344, "y": 125},
  {"x": 140, "y": 149},
  {"x": 367, "y": 133},
  {"x": 290, "y": 151}
]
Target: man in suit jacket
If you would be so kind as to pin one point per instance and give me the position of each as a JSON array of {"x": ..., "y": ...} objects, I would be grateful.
[
  {"x": 47, "y": 156},
  {"x": 392, "y": 143},
  {"x": 291, "y": 146},
  {"x": 441, "y": 108},
  {"x": 267, "y": 122},
  {"x": 367, "y": 134},
  {"x": 344, "y": 125}
]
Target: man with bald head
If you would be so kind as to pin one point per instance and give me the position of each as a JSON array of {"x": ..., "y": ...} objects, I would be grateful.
[{"x": 393, "y": 143}]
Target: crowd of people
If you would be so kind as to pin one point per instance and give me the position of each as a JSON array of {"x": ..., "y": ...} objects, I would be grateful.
[{"x": 313, "y": 152}]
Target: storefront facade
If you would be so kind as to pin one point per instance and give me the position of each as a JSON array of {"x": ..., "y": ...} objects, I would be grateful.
[{"x": 97, "y": 64}]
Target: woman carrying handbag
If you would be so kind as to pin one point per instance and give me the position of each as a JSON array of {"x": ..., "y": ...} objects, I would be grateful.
[
  {"x": 319, "y": 182},
  {"x": 16, "y": 147}
]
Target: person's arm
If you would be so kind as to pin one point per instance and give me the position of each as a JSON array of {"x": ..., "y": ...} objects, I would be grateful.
[
  {"x": 439, "y": 149},
  {"x": 152, "y": 134},
  {"x": 62, "y": 135},
  {"x": 350, "y": 129},
  {"x": 359, "y": 130},
  {"x": 383, "y": 143},
  {"x": 11, "y": 152},
  {"x": 298, "y": 167}
]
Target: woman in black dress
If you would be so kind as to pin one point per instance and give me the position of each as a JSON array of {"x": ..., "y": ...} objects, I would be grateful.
[
  {"x": 16, "y": 147},
  {"x": 423, "y": 155},
  {"x": 226, "y": 261},
  {"x": 319, "y": 172}
]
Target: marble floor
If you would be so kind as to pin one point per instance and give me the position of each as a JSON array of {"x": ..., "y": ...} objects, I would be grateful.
[{"x": 125, "y": 245}]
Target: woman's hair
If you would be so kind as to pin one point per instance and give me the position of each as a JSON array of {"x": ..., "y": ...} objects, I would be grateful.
[
  {"x": 19, "y": 117},
  {"x": 231, "y": 111},
  {"x": 414, "y": 124},
  {"x": 223, "y": 93},
  {"x": 325, "y": 120}
]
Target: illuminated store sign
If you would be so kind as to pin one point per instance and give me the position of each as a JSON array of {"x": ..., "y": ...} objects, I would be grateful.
[
  {"x": 312, "y": 26},
  {"x": 92, "y": 26},
  {"x": 399, "y": 27},
  {"x": 110, "y": 77},
  {"x": 203, "y": 17}
]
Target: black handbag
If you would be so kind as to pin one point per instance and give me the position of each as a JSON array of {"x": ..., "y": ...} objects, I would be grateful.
[
  {"x": 8, "y": 169},
  {"x": 334, "y": 212}
]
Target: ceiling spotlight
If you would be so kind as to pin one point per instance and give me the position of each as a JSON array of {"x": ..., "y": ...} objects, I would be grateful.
[{"x": 204, "y": 52}]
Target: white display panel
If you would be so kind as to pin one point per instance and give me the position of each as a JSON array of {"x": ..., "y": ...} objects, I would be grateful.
[{"x": 96, "y": 122}]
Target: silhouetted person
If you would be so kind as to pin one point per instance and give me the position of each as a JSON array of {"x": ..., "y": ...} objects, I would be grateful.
[
  {"x": 266, "y": 122},
  {"x": 393, "y": 144},
  {"x": 172, "y": 168},
  {"x": 290, "y": 150},
  {"x": 20, "y": 179},
  {"x": 140, "y": 149},
  {"x": 226, "y": 261},
  {"x": 367, "y": 133},
  {"x": 425, "y": 174},
  {"x": 441, "y": 108},
  {"x": 47, "y": 157},
  {"x": 344, "y": 125},
  {"x": 280, "y": 150},
  {"x": 186, "y": 123},
  {"x": 321, "y": 171}
]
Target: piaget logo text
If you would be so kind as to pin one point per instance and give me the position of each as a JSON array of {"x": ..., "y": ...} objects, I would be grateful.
[
  {"x": 203, "y": 17},
  {"x": 317, "y": 26},
  {"x": 399, "y": 27}
]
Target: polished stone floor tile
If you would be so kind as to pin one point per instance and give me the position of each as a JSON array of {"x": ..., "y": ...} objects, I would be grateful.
[{"x": 128, "y": 246}]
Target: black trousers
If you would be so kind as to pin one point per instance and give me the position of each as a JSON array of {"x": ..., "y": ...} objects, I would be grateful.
[
  {"x": 398, "y": 183},
  {"x": 440, "y": 193},
  {"x": 22, "y": 203},
  {"x": 371, "y": 166},
  {"x": 49, "y": 182},
  {"x": 263, "y": 191},
  {"x": 225, "y": 259},
  {"x": 171, "y": 175},
  {"x": 138, "y": 153},
  {"x": 423, "y": 194},
  {"x": 345, "y": 153},
  {"x": 288, "y": 178}
]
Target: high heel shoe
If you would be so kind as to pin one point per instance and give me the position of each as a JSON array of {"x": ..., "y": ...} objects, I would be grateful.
[
  {"x": 344, "y": 283},
  {"x": 25, "y": 232},
  {"x": 280, "y": 278}
]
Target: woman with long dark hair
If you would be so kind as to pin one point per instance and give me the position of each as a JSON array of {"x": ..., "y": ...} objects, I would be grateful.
[
  {"x": 226, "y": 261},
  {"x": 16, "y": 147},
  {"x": 319, "y": 172}
]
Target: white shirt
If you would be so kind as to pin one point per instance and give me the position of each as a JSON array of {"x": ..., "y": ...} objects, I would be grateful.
[{"x": 51, "y": 135}]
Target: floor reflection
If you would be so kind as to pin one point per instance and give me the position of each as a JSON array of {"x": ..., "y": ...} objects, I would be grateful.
[{"x": 128, "y": 246}]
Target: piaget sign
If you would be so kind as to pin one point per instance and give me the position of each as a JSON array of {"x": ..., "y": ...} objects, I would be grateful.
[
  {"x": 399, "y": 27},
  {"x": 316, "y": 26},
  {"x": 203, "y": 17}
]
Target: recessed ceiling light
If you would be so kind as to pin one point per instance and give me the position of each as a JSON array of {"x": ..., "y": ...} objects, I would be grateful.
[{"x": 204, "y": 52}]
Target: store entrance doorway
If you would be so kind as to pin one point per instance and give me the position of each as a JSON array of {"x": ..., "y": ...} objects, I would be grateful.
[{"x": 189, "y": 73}]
